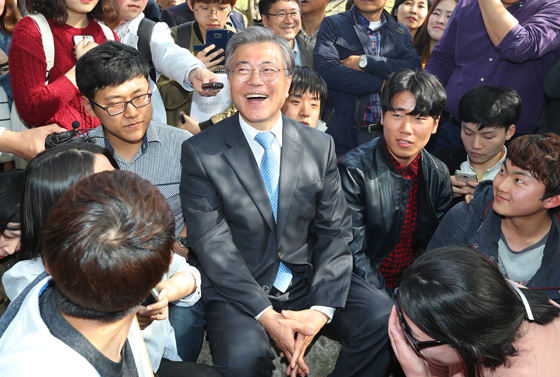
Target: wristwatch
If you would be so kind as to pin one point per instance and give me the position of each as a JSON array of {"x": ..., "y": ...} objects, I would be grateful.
[
  {"x": 183, "y": 241},
  {"x": 363, "y": 63}
]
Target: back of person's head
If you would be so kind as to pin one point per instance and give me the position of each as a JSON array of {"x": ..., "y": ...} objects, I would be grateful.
[
  {"x": 490, "y": 106},
  {"x": 265, "y": 5},
  {"x": 305, "y": 80},
  {"x": 425, "y": 87},
  {"x": 108, "y": 242},
  {"x": 539, "y": 155},
  {"x": 57, "y": 10},
  {"x": 11, "y": 194},
  {"x": 109, "y": 64},
  {"x": 457, "y": 296},
  {"x": 47, "y": 177},
  {"x": 259, "y": 34}
]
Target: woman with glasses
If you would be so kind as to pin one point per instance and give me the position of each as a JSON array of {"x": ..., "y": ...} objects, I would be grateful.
[
  {"x": 456, "y": 315},
  {"x": 208, "y": 15},
  {"x": 74, "y": 32}
]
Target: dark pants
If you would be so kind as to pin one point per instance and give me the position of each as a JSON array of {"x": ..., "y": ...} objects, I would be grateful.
[
  {"x": 188, "y": 324},
  {"x": 241, "y": 347},
  {"x": 181, "y": 368}
]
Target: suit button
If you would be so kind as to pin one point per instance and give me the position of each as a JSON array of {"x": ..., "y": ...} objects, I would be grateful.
[
  {"x": 266, "y": 288},
  {"x": 280, "y": 255}
]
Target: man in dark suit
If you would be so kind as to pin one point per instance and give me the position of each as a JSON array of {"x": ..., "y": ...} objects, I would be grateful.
[
  {"x": 179, "y": 14},
  {"x": 270, "y": 227}
]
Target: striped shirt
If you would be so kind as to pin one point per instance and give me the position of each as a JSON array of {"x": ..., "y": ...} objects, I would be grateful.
[{"x": 158, "y": 160}]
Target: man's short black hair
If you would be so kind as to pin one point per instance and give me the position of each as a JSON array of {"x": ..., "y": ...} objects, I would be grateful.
[
  {"x": 490, "y": 106},
  {"x": 265, "y": 5},
  {"x": 425, "y": 87},
  {"x": 109, "y": 64},
  {"x": 305, "y": 80}
]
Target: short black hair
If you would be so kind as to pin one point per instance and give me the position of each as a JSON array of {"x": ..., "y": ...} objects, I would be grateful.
[
  {"x": 425, "y": 87},
  {"x": 490, "y": 106},
  {"x": 109, "y": 64},
  {"x": 265, "y": 5},
  {"x": 305, "y": 80}
]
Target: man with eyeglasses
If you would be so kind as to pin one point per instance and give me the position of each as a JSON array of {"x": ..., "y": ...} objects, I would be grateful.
[
  {"x": 113, "y": 79},
  {"x": 269, "y": 224},
  {"x": 183, "y": 13},
  {"x": 283, "y": 17},
  {"x": 355, "y": 53}
]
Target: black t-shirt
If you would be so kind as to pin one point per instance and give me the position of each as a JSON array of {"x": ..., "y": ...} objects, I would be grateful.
[{"x": 62, "y": 330}]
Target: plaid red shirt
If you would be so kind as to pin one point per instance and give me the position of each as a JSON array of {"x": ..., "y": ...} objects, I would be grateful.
[{"x": 402, "y": 255}]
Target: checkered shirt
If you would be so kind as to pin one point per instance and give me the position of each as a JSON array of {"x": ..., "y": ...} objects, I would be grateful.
[
  {"x": 402, "y": 255},
  {"x": 373, "y": 109}
]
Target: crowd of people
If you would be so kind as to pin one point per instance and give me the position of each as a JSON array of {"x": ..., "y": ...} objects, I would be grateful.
[{"x": 376, "y": 176}]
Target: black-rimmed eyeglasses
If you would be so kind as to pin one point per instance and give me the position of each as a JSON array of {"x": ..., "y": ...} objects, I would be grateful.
[
  {"x": 418, "y": 345},
  {"x": 281, "y": 16},
  {"x": 120, "y": 107}
]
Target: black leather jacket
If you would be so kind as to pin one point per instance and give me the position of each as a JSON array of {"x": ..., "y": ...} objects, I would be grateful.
[{"x": 377, "y": 196}]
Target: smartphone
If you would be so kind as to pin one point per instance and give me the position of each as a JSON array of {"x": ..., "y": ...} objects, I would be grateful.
[
  {"x": 213, "y": 85},
  {"x": 152, "y": 298},
  {"x": 465, "y": 176},
  {"x": 217, "y": 37},
  {"x": 78, "y": 38}
]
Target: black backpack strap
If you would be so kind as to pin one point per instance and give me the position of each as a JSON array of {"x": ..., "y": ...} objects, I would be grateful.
[
  {"x": 184, "y": 32},
  {"x": 144, "y": 37},
  {"x": 15, "y": 305}
]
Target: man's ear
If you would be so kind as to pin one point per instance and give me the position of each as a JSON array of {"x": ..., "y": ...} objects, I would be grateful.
[
  {"x": 510, "y": 132},
  {"x": 190, "y": 4},
  {"x": 88, "y": 107},
  {"x": 552, "y": 202},
  {"x": 436, "y": 124},
  {"x": 264, "y": 19}
]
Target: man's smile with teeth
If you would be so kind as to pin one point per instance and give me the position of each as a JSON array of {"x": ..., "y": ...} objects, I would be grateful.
[{"x": 250, "y": 96}]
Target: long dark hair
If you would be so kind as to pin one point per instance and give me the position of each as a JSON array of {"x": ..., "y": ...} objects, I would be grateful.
[
  {"x": 105, "y": 10},
  {"x": 11, "y": 193},
  {"x": 47, "y": 177},
  {"x": 422, "y": 39},
  {"x": 10, "y": 16},
  {"x": 459, "y": 297}
]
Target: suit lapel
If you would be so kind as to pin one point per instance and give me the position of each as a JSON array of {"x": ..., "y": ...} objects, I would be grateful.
[
  {"x": 245, "y": 167},
  {"x": 290, "y": 165}
]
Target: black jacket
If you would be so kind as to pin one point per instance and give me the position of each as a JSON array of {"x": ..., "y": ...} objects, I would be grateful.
[{"x": 377, "y": 196}]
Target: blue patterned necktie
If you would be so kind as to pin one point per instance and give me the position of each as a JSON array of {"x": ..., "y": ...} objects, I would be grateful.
[
  {"x": 270, "y": 172},
  {"x": 269, "y": 169}
]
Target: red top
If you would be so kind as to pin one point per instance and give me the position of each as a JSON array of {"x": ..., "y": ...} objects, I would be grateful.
[
  {"x": 60, "y": 101},
  {"x": 402, "y": 255}
]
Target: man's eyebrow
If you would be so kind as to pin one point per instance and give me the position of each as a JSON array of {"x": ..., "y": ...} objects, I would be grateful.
[
  {"x": 297, "y": 95},
  {"x": 261, "y": 63},
  {"x": 139, "y": 90}
]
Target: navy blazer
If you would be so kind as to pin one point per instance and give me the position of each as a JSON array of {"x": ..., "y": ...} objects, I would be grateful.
[
  {"x": 179, "y": 14},
  {"x": 231, "y": 227}
]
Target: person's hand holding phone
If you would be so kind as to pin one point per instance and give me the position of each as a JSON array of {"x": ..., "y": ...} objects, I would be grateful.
[
  {"x": 153, "y": 312},
  {"x": 207, "y": 57},
  {"x": 82, "y": 47},
  {"x": 189, "y": 124},
  {"x": 200, "y": 76}
]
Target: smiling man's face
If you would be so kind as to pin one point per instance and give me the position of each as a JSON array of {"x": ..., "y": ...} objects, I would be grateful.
[
  {"x": 288, "y": 27},
  {"x": 258, "y": 101}
]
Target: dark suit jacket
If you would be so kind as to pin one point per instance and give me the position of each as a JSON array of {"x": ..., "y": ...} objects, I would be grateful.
[
  {"x": 231, "y": 226},
  {"x": 306, "y": 50},
  {"x": 179, "y": 14}
]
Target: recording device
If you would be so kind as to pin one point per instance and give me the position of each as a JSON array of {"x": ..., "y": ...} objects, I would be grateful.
[
  {"x": 152, "y": 298},
  {"x": 213, "y": 85},
  {"x": 67, "y": 136},
  {"x": 217, "y": 37},
  {"x": 78, "y": 38},
  {"x": 465, "y": 176}
]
